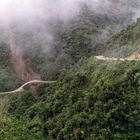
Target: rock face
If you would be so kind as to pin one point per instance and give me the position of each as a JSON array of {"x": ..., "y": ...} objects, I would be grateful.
[{"x": 22, "y": 66}]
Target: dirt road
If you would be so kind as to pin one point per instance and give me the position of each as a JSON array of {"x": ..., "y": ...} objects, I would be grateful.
[
  {"x": 133, "y": 57},
  {"x": 21, "y": 88},
  {"x": 130, "y": 58}
]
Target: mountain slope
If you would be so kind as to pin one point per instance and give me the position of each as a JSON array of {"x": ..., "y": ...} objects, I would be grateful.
[
  {"x": 124, "y": 43},
  {"x": 94, "y": 99},
  {"x": 78, "y": 37},
  {"x": 40, "y": 52}
]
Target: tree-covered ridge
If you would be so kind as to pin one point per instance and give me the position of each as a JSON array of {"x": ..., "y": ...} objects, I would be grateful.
[{"x": 93, "y": 100}]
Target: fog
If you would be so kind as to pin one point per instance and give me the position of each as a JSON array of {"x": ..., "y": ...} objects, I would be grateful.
[
  {"x": 34, "y": 15},
  {"x": 31, "y": 22}
]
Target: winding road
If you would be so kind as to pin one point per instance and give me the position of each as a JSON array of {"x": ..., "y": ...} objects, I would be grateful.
[
  {"x": 130, "y": 58},
  {"x": 133, "y": 57},
  {"x": 21, "y": 88}
]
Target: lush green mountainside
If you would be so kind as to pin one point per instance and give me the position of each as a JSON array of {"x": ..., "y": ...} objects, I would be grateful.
[{"x": 93, "y": 100}]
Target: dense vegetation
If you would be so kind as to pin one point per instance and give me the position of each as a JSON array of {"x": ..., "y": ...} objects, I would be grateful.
[
  {"x": 8, "y": 79},
  {"x": 93, "y": 100}
]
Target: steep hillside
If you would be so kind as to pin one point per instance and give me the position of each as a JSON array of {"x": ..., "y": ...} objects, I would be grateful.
[
  {"x": 79, "y": 37},
  {"x": 93, "y": 100},
  {"x": 63, "y": 44}
]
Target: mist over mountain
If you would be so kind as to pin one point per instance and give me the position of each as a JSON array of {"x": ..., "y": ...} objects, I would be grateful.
[
  {"x": 69, "y": 70},
  {"x": 37, "y": 17},
  {"x": 51, "y": 35},
  {"x": 55, "y": 34}
]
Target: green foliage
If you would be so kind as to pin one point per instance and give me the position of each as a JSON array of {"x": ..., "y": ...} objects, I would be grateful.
[
  {"x": 14, "y": 129},
  {"x": 93, "y": 100},
  {"x": 18, "y": 105}
]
